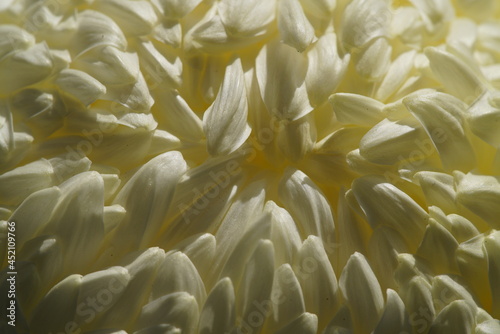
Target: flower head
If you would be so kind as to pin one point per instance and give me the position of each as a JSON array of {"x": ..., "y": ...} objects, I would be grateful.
[{"x": 260, "y": 166}]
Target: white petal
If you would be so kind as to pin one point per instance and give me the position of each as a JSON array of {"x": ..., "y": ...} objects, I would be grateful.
[
  {"x": 488, "y": 327},
  {"x": 438, "y": 246},
  {"x": 483, "y": 118},
  {"x": 99, "y": 291},
  {"x": 286, "y": 296},
  {"x": 320, "y": 8},
  {"x": 177, "y": 8},
  {"x": 146, "y": 198},
  {"x": 178, "y": 309},
  {"x": 362, "y": 292},
  {"x": 440, "y": 115},
  {"x": 457, "y": 318},
  {"x": 389, "y": 142},
  {"x": 326, "y": 69},
  {"x": 445, "y": 290},
  {"x": 246, "y": 18},
  {"x": 284, "y": 233},
  {"x": 57, "y": 308},
  {"x": 281, "y": 73},
  {"x": 434, "y": 13},
  {"x": 295, "y": 30},
  {"x": 80, "y": 85},
  {"x": 374, "y": 60},
  {"x": 96, "y": 29},
  {"x": 218, "y": 313},
  {"x": 317, "y": 279},
  {"x": 296, "y": 138},
  {"x": 22, "y": 181},
  {"x": 169, "y": 32},
  {"x": 364, "y": 21},
  {"x": 396, "y": 75},
  {"x": 201, "y": 251},
  {"x": 225, "y": 121},
  {"x": 356, "y": 109},
  {"x": 454, "y": 74},
  {"x": 314, "y": 215},
  {"x": 480, "y": 194},
  {"x": 419, "y": 304},
  {"x": 178, "y": 274},
  {"x": 81, "y": 202},
  {"x": 307, "y": 323},
  {"x": 254, "y": 290},
  {"x": 438, "y": 189},
  {"x": 180, "y": 119},
  {"x": 492, "y": 245},
  {"x": 385, "y": 204},
  {"x": 25, "y": 67},
  {"x": 158, "y": 66},
  {"x": 18, "y": 39},
  {"x": 133, "y": 17},
  {"x": 394, "y": 319}
]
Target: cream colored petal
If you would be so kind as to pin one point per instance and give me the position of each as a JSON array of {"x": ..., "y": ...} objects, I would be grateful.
[
  {"x": 445, "y": 290},
  {"x": 326, "y": 68},
  {"x": 58, "y": 307},
  {"x": 356, "y": 109},
  {"x": 462, "y": 228},
  {"x": 488, "y": 34},
  {"x": 396, "y": 75},
  {"x": 472, "y": 260},
  {"x": 419, "y": 304},
  {"x": 389, "y": 142},
  {"x": 463, "y": 31},
  {"x": 133, "y": 17},
  {"x": 218, "y": 313},
  {"x": 286, "y": 298},
  {"x": 314, "y": 215},
  {"x": 438, "y": 247},
  {"x": 374, "y": 60},
  {"x": 457, "y": 318},
  {"x": 247, "y": 18},
  {"x": 17, "y": 39},
  {"x": 362, "y": 293},
  {"x": 317, "y": 279},
  {"x": 384, "y": 246},
  {"x": 241, "y": 217},
  {"x": 168, "y": 31},
  {"x": 99, "y": 291},
  {"x": 81, "y": 202},
  {"x": 201, "y": 251},
  {"x": 25, "y": 67},
  {"x": 364, "y": 21},
  {"x": 142, "y": 267},
  {"x": 225, "y": 121},
  {"x": 483, "y": 117},
  {"x": 34, "y": 212},
  {"x": 455, "y": 75},
  {"x": 438, "y": 189},
  {"x": 385, "y": 204},
  {"x": 254, "y": 290},
  {"x": 434, "y": 13},
  {"x": 439, "y": 115},
  {"x": 202, "y": 198},
  {"x": 109, "y": 65},
  {"x": 146, "y": 198},
  {"x": 284, "y": 233},
  {"x": 178, "y": 274},
  {"x": 22, "y": 181},
  {"x": 492, "y": 245},
  {"x": 281, "y": 73},
  {"x": 177, "y": 8},
  {"x": 178, "y": 309},
  {"x": 320, "y": 8},
  {"x": 80, "y": 85},
  {"x": 295, "y": 30},
  {"x": 306, "y": 323},
  {"x": 209, "y": 34},
  {"x": 180, "y": 118},
  {"x": 160, "y": 67},
  {"x": 135, "y": 96},
  {"x": 394, "y": 319},
  {"x": 296, "y": 138},
  {"x": 341, "y": 322},
  {"x": 488, "y": 327},
  {"x": 480, "y": 194},
  {"x": 96, "y": 29}
]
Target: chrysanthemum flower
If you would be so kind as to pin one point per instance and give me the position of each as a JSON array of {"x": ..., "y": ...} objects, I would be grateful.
[{"x": 258, "y": 166}]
